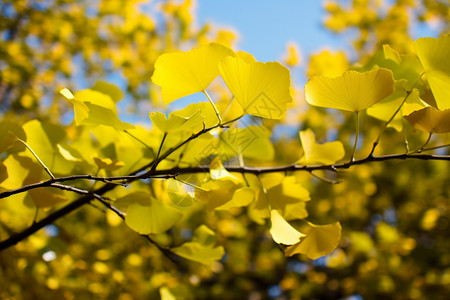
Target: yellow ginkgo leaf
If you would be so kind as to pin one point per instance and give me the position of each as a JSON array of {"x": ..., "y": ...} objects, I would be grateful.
[
  {"x": 247, "y": 57},
  {"x": 218, "y": 171},
  {"x": 217, "y": 192},
  {"x": 202, "y": 248},
  {"x": 181, "y": 74},
  {"x": 107, "y": 163},
  {"x": 47, "y": 197},
  {"x": 282, "y": 232},
  {"x": 430, "y": 120},
  {"x": 328, "y": 64},
  {"x": 292, "y": 56},
  {"x": 262, "y": 89},
  {"x": 434, "y": 54},
  {"x": 288, "y": 197},
  {"x": 241, "y": 197},
  {"x": 108, "y": 89},
  {"x": 353, "y": 91},
  {"x": 384, "y": 109},
  {"x": 154, "y": 218},
  {"x": 327, "y": 154},
  {"x": 206, "y": 110},
  {"x": 80, "y": 108},
  {"x": 176, "y": 123},
  {"x": 391, "y": 54},
  {"x": 16, "y": 172},
  {"x": 250, "y": 142},
  {"x": 320, "y": 240}
]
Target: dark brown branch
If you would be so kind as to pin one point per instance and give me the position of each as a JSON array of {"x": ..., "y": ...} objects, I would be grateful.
[
  {"x": 170, "y": 173},
  {"x": 14, "y": 239}
]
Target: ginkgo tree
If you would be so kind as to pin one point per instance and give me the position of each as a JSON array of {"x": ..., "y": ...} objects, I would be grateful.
[{"x": 217, "y": 159}]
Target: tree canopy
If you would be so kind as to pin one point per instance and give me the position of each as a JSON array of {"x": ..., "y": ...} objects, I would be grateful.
[{"x": 338, "y": 189}]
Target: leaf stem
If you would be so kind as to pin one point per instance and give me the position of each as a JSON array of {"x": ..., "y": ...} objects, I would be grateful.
[
  {"x": 377, "y": 141},
  {"x": 214, "y": 106},
  {"x": 156, "y": 161},
  {"x": 352, "y": 158},
  {"x": 137, "y": 139},
  {"x": 423, "y": 146},
  {"x": 434, "y": 148},
  {"x": 37, "y": 158}
]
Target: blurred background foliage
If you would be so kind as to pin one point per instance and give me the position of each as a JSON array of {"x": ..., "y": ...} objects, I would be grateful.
[{"x": 395, "y": 215}]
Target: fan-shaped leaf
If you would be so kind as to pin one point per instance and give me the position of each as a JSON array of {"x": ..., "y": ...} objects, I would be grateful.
[
  {"x": 434, "y": 54},
  {"x": 353, "y": 91},
  {"x": 181, "y": 74},
  {"x": 262, "y": 89},
  {"x": 328, "y": 153},
  {"x": 430, "y": 120}
]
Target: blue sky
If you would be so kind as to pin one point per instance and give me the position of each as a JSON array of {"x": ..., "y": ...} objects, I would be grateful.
[{"x": 265, "y": 26}]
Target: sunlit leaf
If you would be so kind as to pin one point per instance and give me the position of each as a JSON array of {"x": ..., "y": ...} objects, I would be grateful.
[
  {"x": 100, "y": 115},
  {"x": 391, "y": 54},
  {"x": 180, "y": 74},
  {"x": 107, "y": 163},
  {"x": 202, "y": 248},
  {"x": 292, "y": 57},
  {"x": 108, "y": 89},
  {"x": 282, "y": 232},
  {"x": 175, "y": 123},
  {"x": 251, "y": 142},
  {"x": 430, "y": 120},
  {"x": 47, "y": 197},
  {"x": 80, "y": 108},
  {"x": 16, "y": 172},
  {"x": 93, "y": 107},
  {"x": 217, "y": 192},
  {"x": 320, "y": 240},
  {"x": 218, "y": 171},
  {"x": 206, "y": 110},
  {"x": 330, "y": 64},
  {"x": 154, "y": 218},
  {"x": 384, "y": 109},
  {"x": 327, "y": 154},
  {"x": 179, "y": 194},
  {"x": 353, "y": 91},
  {"x": 90, "y": 96},
  {"x": 262, "y": 89},
  {"x": 43, "y": 138},
  {"x": 66, "y": 153},
  {"x": 3, "y": 172},
  {"x": 9, "y": 132},
  {"x": 434, "y": 54},
  {"x": 241, "y": 197},
  {"x": 288, "y": 197}
]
